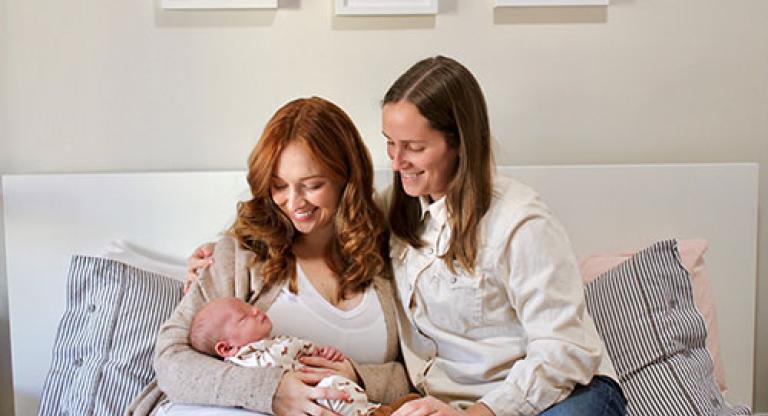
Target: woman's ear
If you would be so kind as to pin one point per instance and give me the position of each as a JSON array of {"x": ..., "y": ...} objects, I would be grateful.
[{"x": 224, "y": 349}]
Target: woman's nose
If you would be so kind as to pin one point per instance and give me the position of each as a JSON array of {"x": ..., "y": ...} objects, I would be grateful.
[
  {"x": 295, "y": 199},
  {"x": 397, "y": 159}
]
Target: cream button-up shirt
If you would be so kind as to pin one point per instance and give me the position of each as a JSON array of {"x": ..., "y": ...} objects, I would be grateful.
[{"x": 514, "y": 334}]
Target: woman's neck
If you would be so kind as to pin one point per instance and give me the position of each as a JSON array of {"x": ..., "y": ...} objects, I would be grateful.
[{"x": 314, "y": 244}]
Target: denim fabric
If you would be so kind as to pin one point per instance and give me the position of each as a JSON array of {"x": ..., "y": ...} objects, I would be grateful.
[{"x": 601, "y": 397}]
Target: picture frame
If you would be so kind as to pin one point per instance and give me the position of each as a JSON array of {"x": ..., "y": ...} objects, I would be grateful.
[
  {"x": 536, "y": 3},
  {"x": 385, "y": 7},
  {"x": 218, "y": 4}
]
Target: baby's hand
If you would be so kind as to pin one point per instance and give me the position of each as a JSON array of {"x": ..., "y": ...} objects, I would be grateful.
[{"x": 330, "y": 353}]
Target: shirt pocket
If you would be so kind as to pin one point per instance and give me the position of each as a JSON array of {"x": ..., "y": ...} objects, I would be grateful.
[{"x": 453, "y": 300}]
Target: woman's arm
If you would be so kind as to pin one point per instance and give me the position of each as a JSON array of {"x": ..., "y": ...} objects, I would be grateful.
[
  {"x": 433, "y": 406},
  {"x": 546, "y": 292},
  {"x": 187, "y": 376},
  {"x": 384, "y": 383}
]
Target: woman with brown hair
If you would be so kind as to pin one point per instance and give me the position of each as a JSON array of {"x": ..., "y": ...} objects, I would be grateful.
[
  {"x": 493, "y": 317},
  {"x": 309, "y": 247},
  {"x": 491, "y": 306}
]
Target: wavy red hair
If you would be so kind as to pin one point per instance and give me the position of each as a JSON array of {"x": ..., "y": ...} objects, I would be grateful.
[{"x": 356, "y": 254}]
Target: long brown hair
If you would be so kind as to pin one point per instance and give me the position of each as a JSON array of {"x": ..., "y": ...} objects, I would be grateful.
[
  {"x": 356, "y": 254},
  {"x": 450, "y": 98}
]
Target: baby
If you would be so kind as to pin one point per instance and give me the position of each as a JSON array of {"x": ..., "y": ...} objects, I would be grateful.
[{"x": 238, "y": 332}]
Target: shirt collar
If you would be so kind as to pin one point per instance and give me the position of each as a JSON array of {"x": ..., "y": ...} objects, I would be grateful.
[{"x": 436, "y": 210}]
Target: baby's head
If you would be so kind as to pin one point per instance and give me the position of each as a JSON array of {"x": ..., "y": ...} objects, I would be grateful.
[{"x": 225, "y": 325}]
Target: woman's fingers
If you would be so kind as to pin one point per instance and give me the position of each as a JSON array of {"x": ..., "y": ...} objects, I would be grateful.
[
  {"x": 317, "y": 361},
  {"x": 192, "y": 273},
  {"x": 317, "y": 410},
  {"x": 342, "y": 368},
  {"x": 322, "y": 393},
  {"x": 315, "y": 370},
  {"x": 310, "y": 378},
  {"x": 426, "y": 406},
  {"x": 295, "y": 398},
  {"x": 201, "y": 258},
  {"x": 207, "y": 249}
]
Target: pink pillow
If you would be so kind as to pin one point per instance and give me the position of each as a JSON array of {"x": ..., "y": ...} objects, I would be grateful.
[{"x": 692, "y": 256}]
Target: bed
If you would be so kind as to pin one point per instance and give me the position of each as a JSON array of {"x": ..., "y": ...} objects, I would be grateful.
[{"x": 606, "y": 209}]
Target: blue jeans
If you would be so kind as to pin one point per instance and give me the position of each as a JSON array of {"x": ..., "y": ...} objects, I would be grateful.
[{"x": 601, "y": 397}]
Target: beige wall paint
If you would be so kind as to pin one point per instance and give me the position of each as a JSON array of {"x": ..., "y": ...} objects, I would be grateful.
[{"x": 90, "y": 85}]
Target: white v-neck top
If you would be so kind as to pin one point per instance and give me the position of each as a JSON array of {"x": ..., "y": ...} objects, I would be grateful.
[{"x": 360, "y": 332}]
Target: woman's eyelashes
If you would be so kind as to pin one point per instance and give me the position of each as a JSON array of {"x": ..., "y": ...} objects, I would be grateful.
[
  {"x": 279, "y": 187},
  {"x": 415, "y": 147},
  {"x": 313, "y": 186},
  {"x": 410, "y": 146},
  {"x": 308, "y": 186}
]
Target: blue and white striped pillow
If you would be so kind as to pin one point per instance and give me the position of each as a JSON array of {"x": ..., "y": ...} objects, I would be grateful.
[
  {"x": 102, "y": 355},
  {"x": 644, "y": 311}
]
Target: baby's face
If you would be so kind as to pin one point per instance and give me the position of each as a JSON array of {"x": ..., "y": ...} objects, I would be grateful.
[{"x": 245, "y": 323}]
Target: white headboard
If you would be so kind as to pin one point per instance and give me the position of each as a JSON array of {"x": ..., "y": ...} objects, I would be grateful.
[{"x": 604, "y": 208}]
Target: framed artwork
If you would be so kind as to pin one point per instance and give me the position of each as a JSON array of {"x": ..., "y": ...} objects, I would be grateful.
[
  {"x": 385, "y": 7},
  {"x": 533, "y": 3},
  {"x": 219, "y": 4}
]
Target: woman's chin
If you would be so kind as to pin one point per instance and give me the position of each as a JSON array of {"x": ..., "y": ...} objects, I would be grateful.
[{"x": 412, "y": 191}]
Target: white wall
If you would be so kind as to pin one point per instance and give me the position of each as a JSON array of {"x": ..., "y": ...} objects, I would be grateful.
[{"x": 90, "y": 85}]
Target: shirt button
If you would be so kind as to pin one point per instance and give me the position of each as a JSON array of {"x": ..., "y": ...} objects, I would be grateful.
[
  {"x": 673, "y": 303},
  {"x": 91, "y": 308},
  {"x": 430, "y": 251},
  {"x": 454, "y": 279},
  {"x": 78, "y": 362}
]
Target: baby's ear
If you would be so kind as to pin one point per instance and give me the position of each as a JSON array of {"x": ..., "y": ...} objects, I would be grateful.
[{"x": 224, "y": 349}]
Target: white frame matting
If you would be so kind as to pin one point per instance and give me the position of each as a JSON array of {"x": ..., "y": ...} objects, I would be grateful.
[
  {"x": 604, "y": 208},
  {"x": 385, "y": 7},
  {"x": 218, "y": 4},
  {"x": 536, "y": 3}
]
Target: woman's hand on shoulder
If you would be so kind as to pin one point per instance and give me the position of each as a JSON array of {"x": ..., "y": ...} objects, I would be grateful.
[
  {"x": 294, "y": 397},
  {"x": 316, "y": 368},
  {"x": 201, "y": 258},
  {"x": 430, "y": 405}
]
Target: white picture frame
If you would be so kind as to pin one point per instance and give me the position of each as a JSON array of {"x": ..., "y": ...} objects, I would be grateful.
[
  {"x": 218, "y": 4},
  {"x": 536, "y": 3},
  {"x": 385, "y": 7}
]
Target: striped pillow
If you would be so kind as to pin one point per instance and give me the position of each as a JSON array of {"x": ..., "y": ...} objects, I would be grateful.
[
  {"x": 102, "y": 355},
  {"x": 644, "y": 311}
]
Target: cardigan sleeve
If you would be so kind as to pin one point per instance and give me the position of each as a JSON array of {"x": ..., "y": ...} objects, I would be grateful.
[
  {"x": 388, "y": 381},
  {"x": 187, "y": 376},
  {"x": 385, "y": 382}
]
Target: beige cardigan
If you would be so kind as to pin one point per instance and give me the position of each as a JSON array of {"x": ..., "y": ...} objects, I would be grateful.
[{"x": 187, "y": 376}]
